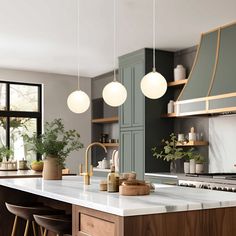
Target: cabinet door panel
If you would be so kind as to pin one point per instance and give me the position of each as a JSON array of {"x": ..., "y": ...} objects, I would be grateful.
[
  {"x": 138, "y": 153},
  {"x": 126, "y": 109},
  {"x": 125, "y": 151},
  {"x": 138, "y": 97}
]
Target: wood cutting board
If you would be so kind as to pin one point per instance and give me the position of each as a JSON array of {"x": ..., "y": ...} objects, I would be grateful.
[{"x": 134, "y": 190}]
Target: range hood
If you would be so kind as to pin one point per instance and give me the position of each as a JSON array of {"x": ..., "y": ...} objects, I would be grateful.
[{"x": 211, "y": 86}]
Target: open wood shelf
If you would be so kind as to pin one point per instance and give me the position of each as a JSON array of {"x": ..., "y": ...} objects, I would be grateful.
[
  {"x": 193, "y": 144},
  {"x": 169, "y": 115},
  {"x": 113, "y": 119},
  {"x": 177, "y": 83},
  {"x": 111, "y": 144}
]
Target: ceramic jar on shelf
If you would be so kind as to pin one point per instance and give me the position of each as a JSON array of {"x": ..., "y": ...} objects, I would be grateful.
[{"x": 179, "y": 73}]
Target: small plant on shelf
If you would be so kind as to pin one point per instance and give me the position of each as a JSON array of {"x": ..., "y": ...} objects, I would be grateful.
[
  {"x": 6, "y": 152},
  {"x": 171, "y": 152}
]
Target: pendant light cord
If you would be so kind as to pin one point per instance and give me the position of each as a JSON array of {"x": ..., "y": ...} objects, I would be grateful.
[
  {"x": 154, "y": 35},
  {"x": 114, "y": 40},
  {"x": 78, "y": 33}
]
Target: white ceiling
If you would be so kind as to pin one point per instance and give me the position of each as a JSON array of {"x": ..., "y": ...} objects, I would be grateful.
[{"x": 40, "y": 35}]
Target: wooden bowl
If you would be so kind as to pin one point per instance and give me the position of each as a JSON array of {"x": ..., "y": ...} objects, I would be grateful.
[{"x": 38, "y": 167}]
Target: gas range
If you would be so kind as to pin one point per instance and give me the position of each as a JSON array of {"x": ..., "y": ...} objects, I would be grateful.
[{"x": 219, "y": 182}]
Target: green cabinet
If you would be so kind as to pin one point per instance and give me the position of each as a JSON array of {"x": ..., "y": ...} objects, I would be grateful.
[
  {"x": 132, "y": 152},
  {"x": 139, "y": 117},
  {"x": 132, "y": 112}
]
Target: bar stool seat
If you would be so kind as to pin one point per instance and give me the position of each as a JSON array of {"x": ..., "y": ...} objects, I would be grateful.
[
  {"x": 26, "y": 212},
  {"x": 59, "y": 224}
]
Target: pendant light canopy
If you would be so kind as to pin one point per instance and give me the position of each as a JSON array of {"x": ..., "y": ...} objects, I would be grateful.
[
  {"x": 153, "y": 84},
  {"x": 78, "y": 101},
  {"x": 114, "y": 93}
]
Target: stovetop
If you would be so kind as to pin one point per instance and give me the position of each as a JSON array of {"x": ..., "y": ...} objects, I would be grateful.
[{"x": 230, "y": 176}]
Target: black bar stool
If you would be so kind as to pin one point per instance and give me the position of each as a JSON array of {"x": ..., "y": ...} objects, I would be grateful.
[
  {"x": 59, "y": 224},
  {"x": 26, "y": 212}
]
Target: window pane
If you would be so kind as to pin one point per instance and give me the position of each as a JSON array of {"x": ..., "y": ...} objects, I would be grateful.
[
  {"x": 23, "y": 98},
  {"x": 18, "y": 127},
  {"x": 3, "y": 96},
  {"x": 2, "y": 131}
]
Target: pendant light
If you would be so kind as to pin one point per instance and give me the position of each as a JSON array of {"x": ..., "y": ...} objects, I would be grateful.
[
  {"x": 78, "y": 101},
  {"x": 153, "y": 84},
  {"x": 114, "y": 93}
]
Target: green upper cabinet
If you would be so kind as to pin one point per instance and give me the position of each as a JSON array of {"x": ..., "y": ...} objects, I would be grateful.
[
  {"x": 140, "y": 125},
  {"x": 132, "y": 70}
]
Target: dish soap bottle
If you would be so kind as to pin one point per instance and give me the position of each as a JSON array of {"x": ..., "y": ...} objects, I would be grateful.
[{"x": 112, "y": 181}]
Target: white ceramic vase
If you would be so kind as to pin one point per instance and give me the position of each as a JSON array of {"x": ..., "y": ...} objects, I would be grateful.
[
  {"x": 186, "y": 167},
  {"x": 179, "y": 73},
  {"x": 199, "y": 168},
  {"x": 192, "y": 166}
]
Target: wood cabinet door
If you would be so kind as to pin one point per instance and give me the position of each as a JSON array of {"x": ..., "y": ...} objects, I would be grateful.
[{"x": 88, "y": 222}]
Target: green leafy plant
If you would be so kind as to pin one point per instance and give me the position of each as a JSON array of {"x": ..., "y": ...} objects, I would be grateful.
[
  {"x": 55, "y": 141},
  {"x": 171, "y": 152},
  {"x": 6, "y": 152}
]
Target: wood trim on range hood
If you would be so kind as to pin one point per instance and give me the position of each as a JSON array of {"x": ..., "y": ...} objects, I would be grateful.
[{"x": 215, "y": 90}]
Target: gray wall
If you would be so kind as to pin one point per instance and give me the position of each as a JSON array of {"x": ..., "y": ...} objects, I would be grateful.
[{"x": 56, "y": 90}]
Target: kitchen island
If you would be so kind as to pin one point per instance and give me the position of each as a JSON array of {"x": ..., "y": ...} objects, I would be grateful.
[{"x": 170, "y": 210}]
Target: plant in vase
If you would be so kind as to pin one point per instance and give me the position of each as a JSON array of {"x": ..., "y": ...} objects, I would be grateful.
[
  {"x": 6, "y": 158},
  {"x": 6, "y": 153},
  {"x": 170, "y": 151},
  {"x": 199, "y": 164},
  {"x": 190, "y": 161},
  {"x": 55, "y": 144}
]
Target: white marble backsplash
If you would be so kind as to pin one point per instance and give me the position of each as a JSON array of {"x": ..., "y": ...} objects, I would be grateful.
[{"x": 222, "y": 140}]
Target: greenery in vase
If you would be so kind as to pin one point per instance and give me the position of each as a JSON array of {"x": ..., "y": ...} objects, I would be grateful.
[
  {"x": 172, "y": 152},
  {"x": 6, "y": 152},
  {"x": 55, "y": 141}
]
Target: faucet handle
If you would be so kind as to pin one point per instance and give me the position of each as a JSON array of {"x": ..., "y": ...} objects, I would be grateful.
[
  {"x": 80, "y": 169},
  {"x": 91, "y": 170}
]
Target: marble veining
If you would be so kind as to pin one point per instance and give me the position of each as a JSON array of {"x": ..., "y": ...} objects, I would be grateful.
[{"x": 166, "y": 198}]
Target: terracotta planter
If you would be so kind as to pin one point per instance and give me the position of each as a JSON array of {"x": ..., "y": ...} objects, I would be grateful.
[{"x": 51, "y": 169}]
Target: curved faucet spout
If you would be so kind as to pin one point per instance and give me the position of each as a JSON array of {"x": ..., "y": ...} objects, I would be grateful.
[
  {"x": 88, "y": 172},
  {"x": 87, "y": 150}
]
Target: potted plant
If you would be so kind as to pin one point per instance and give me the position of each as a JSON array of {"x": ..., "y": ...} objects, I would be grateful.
[
  {"x": 199, "y": 164},
  {"x": 170, "y": 152},
  {"x": 190, "y": 161},
  {"x": 55, "y": 144},
  {"x": 5, "y": 153}
]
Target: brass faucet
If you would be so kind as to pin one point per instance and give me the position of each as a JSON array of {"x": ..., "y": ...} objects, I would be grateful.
[{"x": 89, "y": 172}]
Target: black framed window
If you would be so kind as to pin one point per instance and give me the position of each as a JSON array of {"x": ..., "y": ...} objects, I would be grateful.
[{"x": 20, "y": 113}]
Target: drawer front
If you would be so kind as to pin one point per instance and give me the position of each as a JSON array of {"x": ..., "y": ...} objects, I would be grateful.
[{"x": 93, "y": 226}]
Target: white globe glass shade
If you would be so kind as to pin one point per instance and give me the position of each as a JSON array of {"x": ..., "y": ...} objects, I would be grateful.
[
  {"x": 78, "y": 101},
  {"x": 114, "y": 94},
  {"x": 153, "y": 85}
]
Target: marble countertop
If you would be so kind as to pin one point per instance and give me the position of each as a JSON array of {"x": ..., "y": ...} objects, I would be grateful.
[
  {"x": 165, "y": 198},
  {"x": 20, "y": 174},
  {"x": 218, "y": 179}
]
